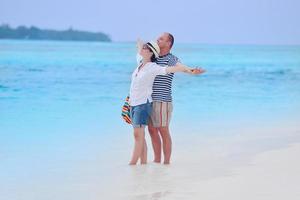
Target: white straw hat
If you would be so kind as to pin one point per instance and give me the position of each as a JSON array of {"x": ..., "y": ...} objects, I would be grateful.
[{"x": 154, "y": 47}]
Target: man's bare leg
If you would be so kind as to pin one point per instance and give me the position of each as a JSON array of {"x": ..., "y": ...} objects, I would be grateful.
[
  {"x": 156, "y": 142},
  {"x": 167, "y": 143}
]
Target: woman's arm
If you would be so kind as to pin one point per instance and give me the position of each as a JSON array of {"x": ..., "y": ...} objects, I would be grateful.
[{"x": 139, "y": 45}]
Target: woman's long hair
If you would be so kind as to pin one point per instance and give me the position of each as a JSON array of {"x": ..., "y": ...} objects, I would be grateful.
[{"x": 153, "y": 59}]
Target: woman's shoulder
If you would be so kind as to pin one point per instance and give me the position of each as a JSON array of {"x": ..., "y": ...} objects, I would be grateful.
[{"x": 153, "y": 64}]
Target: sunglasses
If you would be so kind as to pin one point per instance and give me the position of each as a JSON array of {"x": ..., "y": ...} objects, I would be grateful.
[{"x": 145, "y": 46}]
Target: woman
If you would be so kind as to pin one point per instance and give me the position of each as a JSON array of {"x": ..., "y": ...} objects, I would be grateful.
[{"x": 140, "y": 95}]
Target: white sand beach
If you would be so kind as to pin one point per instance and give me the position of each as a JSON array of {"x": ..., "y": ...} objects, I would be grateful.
[
  {"x": 260, "y": 173},
  {"x": 270, "y": 175}
]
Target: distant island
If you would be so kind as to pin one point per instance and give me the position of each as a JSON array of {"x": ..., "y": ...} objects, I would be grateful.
[{"x": 35, "y": 33}]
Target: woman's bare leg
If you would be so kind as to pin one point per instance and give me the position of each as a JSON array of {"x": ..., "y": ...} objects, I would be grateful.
[
  {"x": 144, "y": 153},
  {"x": 139, "y": 137}
]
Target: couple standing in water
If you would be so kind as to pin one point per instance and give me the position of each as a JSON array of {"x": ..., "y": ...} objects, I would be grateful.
[{"x": 150, "y": 97}]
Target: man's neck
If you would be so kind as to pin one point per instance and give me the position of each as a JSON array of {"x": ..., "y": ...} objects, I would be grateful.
[{"x": 164, "y": 52}]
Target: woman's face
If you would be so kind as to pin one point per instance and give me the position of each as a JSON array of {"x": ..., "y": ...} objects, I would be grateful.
[{"x": 146, "y": 52}]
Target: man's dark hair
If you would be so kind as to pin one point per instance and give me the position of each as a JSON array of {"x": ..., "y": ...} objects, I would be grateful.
[{"x": 171, "y": 39}]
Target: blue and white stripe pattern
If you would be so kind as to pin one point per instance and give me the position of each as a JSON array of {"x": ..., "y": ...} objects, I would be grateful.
[{"x": 162, "y": 86}]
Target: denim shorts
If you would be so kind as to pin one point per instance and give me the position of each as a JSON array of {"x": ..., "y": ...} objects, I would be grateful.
[{"x": 140, "y": 114}]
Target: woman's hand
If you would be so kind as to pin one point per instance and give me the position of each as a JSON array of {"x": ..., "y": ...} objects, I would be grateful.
[{"x": 139, "y": 45}]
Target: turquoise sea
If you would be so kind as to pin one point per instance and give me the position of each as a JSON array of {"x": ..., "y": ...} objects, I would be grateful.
[
  {"x": 48, "y": 86},
  {"x": 60, "y": 107}
]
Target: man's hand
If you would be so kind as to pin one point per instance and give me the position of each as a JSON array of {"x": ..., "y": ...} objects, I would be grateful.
[
  {"x": 179, "y": 67},
  {"x": 196, "y": 71}
]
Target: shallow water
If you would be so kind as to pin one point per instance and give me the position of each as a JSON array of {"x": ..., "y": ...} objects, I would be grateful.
[{"x": 60, "y": 124}]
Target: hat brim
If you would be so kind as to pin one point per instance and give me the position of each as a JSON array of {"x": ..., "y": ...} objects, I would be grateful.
[{"x": 153, "y": 50}]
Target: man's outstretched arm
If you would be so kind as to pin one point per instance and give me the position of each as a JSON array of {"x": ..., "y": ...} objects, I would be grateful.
[
  {"x": 190, "y": 70},
  {"x": 179, "y": 67}
]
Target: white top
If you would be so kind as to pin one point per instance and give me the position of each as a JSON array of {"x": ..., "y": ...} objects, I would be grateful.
[{"x": 142, "y": 82}]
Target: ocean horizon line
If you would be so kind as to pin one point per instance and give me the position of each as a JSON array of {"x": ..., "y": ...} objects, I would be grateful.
[{"x": 132, "y": 41}]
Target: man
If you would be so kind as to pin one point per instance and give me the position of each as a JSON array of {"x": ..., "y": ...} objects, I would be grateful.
[{"x": 162, "y": 101}]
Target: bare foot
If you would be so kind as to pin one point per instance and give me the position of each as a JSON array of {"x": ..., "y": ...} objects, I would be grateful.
[{"x": 143, "y": 163}]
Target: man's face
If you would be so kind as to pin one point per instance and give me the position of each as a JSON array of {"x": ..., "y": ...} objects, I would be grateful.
[{"x": 163, "y": 41}]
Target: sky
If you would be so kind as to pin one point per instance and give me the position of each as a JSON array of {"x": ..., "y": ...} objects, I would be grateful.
[{"x": 190, "y": 21}]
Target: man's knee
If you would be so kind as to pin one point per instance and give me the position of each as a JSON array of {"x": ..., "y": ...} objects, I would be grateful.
[
  {"x": 152, "y": 130},
  {"x": 164, "y": 130}
]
